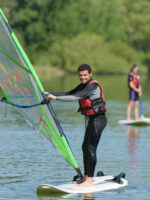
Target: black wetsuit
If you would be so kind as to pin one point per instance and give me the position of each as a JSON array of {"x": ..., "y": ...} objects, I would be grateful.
[{"x": 95, "y": 126}]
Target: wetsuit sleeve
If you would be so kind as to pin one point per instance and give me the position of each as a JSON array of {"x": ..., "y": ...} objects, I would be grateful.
[
  {"x": 73, "y": 91},
  {"x": 78, "y": 93}
]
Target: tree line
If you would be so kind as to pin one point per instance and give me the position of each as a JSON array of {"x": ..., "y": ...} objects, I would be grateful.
[{"x": 110, "y": 35}]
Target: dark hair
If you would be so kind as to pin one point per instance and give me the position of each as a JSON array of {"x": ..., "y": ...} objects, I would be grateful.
[
  {"x": 84, "y": 67},
  {"x": 133, "y": 66}
]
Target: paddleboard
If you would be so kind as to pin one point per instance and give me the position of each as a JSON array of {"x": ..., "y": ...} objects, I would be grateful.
[
  {"x": 141, "y": 122},
  {"x": 99, "y": 184}
]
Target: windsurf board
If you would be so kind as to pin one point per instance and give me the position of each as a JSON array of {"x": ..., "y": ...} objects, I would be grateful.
[
  {"x": 140, "y": 122},
  {"x": 99, "y": 184}
]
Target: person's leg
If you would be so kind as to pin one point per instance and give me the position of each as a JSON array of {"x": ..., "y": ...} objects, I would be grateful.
[
  {"x": 132, "y": 96},
  {"x": 98, "y": 126},
  {"x": 136, "y": 110},
  {"x": 95, "y": 129},
  {"x": 129, "y": 107}
]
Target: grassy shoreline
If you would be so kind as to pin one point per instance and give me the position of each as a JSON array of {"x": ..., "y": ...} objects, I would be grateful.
[{"x": 47, "y": 72}]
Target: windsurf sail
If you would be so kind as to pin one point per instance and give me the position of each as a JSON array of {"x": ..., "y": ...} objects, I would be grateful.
[{"x": 22, "y": 89}]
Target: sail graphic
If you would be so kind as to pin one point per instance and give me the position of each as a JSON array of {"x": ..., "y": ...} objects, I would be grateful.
[{"x": 23, "y": 90}]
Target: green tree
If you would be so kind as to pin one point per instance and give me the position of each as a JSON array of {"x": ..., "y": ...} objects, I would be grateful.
[
  {"x": 138, "y": 20},
  {"x": 46, "y": 27},
  {"x": 107, "y": 19},
  {"x": 91, "y": 49}
]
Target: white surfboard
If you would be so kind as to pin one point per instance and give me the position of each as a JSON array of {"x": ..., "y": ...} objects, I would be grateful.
[
  {"x": 141, "y": 122},
  {"x": 99, "y": 184}
]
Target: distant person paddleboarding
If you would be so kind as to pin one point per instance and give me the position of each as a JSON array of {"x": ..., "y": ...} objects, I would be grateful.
[
  {"x": 135, "y": 91},
  {"x": 91, "y": 104}
]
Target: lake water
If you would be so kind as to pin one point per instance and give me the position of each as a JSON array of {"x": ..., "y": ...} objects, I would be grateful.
[{"x": 26, "y": 160}]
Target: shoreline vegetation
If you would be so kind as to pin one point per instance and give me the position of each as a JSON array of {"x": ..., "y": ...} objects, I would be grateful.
[
  {"x": 48, "y": 72},
  {"x": 110, "y": 36}
]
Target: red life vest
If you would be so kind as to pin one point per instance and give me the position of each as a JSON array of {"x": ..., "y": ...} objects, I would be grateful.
[
  {"x": 92, "y": 107},
  {"x": 135, "y": 80}
]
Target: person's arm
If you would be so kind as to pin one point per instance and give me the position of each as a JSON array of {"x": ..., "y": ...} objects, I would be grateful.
[
  {"x": 75, "y": 94},
  {"x": 63, "y": 95},
  {"x": 131, "y": 84},
  {"x": 140, "y": 92}
]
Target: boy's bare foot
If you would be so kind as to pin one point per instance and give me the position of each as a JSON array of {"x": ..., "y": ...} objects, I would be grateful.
[{"x": 87, "y": 183}]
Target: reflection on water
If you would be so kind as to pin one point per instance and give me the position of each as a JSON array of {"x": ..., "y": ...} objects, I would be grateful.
[
  {"x": 133, "y": 134},
  {"x": 88, "y": 196}
]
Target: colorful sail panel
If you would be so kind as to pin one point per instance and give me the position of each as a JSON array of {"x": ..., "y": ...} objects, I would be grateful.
[{"x": 21, "y": 86}]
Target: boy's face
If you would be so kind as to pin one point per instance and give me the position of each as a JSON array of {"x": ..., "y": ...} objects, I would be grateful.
[{"x": 84, "y": 76}]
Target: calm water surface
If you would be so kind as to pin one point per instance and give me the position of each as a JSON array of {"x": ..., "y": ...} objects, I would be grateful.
[{"x": 27, "y": 160}]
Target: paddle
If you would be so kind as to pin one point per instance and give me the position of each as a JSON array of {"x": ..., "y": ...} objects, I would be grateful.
[{"x": 141, "y": 108}]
